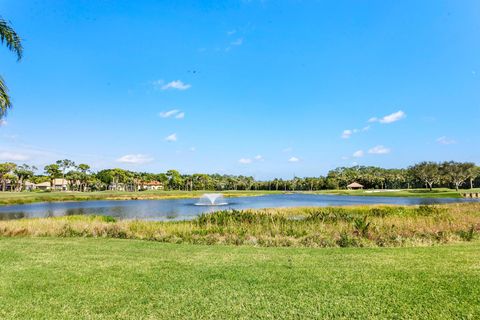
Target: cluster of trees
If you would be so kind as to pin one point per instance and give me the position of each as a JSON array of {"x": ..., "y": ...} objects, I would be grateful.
[
  {"x": 81, "y": 178},
  {"x": 424, "y": 174},
  {"x": 15, "y": 175}
]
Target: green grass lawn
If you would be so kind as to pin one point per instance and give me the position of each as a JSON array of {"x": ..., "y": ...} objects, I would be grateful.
[{"x": 79, "y": 278}]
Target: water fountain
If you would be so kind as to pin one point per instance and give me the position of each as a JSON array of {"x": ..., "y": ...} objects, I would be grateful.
[{"x": 211, "y": 199}]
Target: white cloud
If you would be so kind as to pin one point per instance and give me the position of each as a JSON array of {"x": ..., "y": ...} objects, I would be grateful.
[
  {"x": 259, "y": 158},
  {"x": 12, "y": 156},
  {"x": 293, "y": 159},
  {"x": 250, "y": 160},
  {"x": 379, "y": 150},
  {"x": 344, "y": 158},
  {"x": 445, "y": 140},
  {"x": 135, "y": 159},
  {"x": 237, "y": 42},
  {"x": 245, "y": 160},
  {"x": 3, "y": 122},
  {"x": 394, "y": 117},
  {"x": 346, "y": 134},
  {"x": 181, "y": 115},
  {"x": 176, "y": 84},
  {"x": 172, "y": 113},
  {"x": 171, "y": 138},
  {"x": 192, "y": 149},
  {"x": 231, "y": 32},
  {"x": 289, "y": 149},
  {"x": 169, "y": 113},
  {"x": 358, "y": 154}
]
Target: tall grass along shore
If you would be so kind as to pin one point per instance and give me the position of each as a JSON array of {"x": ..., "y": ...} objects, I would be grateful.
[{"x": 361, "y": 226}]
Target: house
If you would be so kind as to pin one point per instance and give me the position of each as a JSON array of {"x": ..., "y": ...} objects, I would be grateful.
[
  {"x": 354, "y": 186},
  {"x": 60, "y": 184},
  {"x": 29, "y": 186},
  {"x": 152, "y": 185},
  {"x": 117, "y": 187},
  {"x": 42, "y": 186}
]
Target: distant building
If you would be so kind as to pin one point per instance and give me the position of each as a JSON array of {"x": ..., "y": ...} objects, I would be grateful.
[
  {"x": 118, "y": 187},
  {"x": 60, "y": 184},
  {"x": 42, "y": 186},
  {"x": 354, "y": 186},
  {"x": 152, "y": 185},
  {"x": 29, "y": 186}
]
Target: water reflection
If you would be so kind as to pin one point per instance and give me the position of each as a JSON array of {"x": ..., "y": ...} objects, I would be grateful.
[{"x": 184, "y": 209}]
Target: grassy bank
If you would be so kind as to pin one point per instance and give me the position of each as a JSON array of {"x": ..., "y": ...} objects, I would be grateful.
[
  {"x": 362, "y": 226},
  {"x": 410, "y": 193},
  {"x": 7, "y": 198},
  {"x": 45, "y": 278}
]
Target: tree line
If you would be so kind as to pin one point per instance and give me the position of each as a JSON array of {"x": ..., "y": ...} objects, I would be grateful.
[{"x": 79, "y": 177}]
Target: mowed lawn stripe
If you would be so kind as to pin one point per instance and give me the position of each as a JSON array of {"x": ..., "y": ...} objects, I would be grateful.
[{"x": 74, "y": 278}]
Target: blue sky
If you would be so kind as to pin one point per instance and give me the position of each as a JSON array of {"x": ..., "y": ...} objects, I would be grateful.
[{"x": 264, "y": 88}]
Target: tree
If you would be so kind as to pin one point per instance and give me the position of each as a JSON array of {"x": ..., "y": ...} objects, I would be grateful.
[
  {"x": 84, "y": 170},
  {"x": 162, "y": 177},
  {"x": 5, "y": 170},
  {"x": 473, "y": 174},
  {"x": 23, "y": 173},
  {"x": 53, "y": 172},
  {"x": 119, "y": 176},
  {"x": 73, "y": 177},
  {"x": 457, "y": 172},
  {"x": 428, "y": 172},
  {"x": 64, "y": 165},
  {"x": 12, "y": 40},
  {"x": 175, "y": 180}
]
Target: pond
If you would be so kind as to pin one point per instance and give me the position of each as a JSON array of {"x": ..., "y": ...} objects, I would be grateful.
[{"x": 185, "y": 209}]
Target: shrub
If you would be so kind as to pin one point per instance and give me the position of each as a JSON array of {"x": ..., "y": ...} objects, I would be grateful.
[
  {"x": 346, "y": 240},
  {"x": 361, "y": 226},
  {"x": 429, "y": 210},
  {"x": 329, "y": 215},
  {"x": 468, "y": 235}
]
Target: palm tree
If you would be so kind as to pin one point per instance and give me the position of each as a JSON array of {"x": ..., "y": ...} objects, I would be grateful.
[{"x": 12, "y": 40}]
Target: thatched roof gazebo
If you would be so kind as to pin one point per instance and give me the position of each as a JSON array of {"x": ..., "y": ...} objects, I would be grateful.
[{"x": 354, "y": 186}]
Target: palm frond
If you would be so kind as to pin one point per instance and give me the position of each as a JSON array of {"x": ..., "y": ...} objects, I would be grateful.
[
  {"x": 5, "y": 102},
  {"x": 10, "y": 38}
]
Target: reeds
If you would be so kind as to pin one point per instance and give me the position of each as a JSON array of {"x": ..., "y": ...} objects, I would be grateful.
[{"x": 362, "y": 226}]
